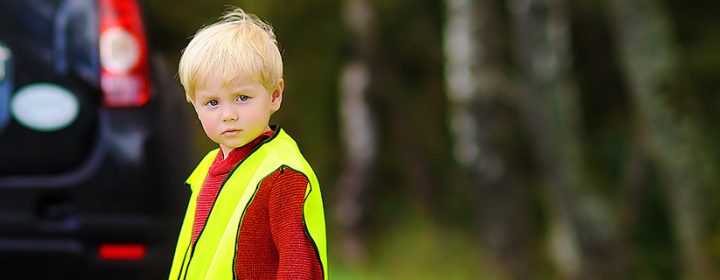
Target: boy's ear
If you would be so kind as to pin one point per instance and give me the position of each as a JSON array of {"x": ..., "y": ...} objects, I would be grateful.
[{"x": 276, "y": 95}]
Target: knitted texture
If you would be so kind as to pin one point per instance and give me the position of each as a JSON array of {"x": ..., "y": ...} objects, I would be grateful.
[{"x": 272, "y": 243}]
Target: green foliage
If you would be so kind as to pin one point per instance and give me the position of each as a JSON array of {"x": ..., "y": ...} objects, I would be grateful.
[
  {"x": 653, "y": 255},
  {"x": 417, "y": 249}
]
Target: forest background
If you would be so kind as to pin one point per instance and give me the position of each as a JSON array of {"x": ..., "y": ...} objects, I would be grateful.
[{"x": 499, "y": 139}]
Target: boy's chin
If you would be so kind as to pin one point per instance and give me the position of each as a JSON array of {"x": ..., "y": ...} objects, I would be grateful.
[{"x": 235, "y": 144}]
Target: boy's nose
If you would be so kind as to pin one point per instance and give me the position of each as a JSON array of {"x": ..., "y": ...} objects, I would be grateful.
[{"x": 229, "y": 115}]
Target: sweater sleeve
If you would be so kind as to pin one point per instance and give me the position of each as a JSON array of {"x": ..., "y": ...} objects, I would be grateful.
[{"x": 298, "y": 258}]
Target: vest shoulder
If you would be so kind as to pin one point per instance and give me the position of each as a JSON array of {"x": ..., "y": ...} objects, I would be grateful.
[
  {"x": 202, "y": 166},
  {"x": 282, "y": 150}
]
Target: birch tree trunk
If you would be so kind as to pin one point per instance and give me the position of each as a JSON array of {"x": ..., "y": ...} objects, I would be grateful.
[
  {"x": 358, "y": 130},
  {"x": 476, "y": 86},
  {"x": 675, "y": 139},
  {"x": 462, "y": 49},
  {"x": 583, "y": 237}
]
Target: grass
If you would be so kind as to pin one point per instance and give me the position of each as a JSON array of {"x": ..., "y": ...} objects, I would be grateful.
[{"x": 417, "y": 250}]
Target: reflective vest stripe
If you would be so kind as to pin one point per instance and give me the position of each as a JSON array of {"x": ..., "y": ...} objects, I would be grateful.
[
  {"x": 183, "y": 248},
  {"x": 213, "y": 255}
]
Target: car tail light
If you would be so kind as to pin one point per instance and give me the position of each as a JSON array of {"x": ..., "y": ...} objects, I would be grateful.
[
  {"x": 125, "y": 75},
  {"x": 122, "y": 252}
]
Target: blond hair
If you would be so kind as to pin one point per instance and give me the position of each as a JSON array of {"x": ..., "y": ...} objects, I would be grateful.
[{"x": 238, "y": 44}]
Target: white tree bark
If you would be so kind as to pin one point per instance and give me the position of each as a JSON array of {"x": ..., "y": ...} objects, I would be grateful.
[
  {"x": 358, "y": 130},
  {"x": 476, "y": 85},
  {"x": 461, "y": 47},
  {"x": 583, "y": 230},
  {"x": 645, "y": 42}
]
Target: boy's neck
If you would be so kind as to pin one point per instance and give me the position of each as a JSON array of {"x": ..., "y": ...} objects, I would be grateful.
[{"x": 225, "y": 153}]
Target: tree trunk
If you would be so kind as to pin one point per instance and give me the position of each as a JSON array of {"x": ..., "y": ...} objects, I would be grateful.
[
  {"x": 583, "y": 240},
  {"x": 476, "y": 88},
  {"x": 675, "y": 138},
  {"x": 358, "y": 131}
]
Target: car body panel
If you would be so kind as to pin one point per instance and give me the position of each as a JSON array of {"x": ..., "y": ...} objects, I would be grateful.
[{"x": 112, "y": 176}]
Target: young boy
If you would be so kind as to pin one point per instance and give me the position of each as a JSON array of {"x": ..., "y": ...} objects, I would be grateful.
[{"x": 255, "y": 211}]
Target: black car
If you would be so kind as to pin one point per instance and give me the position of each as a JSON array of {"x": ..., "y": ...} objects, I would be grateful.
[{"x": 93, "y": 143}]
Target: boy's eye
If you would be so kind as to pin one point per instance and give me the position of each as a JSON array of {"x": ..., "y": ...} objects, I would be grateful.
[
  {"x": 242, "y": 98},
  {"x": 212, "y": 103}
]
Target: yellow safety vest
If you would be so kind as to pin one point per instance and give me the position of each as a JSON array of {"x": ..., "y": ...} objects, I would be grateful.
[{"x": 213, "y": 254}]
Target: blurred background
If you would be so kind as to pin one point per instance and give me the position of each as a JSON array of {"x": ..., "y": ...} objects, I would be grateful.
[{"x": 498, "y": 139}]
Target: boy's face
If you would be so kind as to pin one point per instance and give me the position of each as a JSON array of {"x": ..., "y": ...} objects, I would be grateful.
[{"x": 236, "y": 112}]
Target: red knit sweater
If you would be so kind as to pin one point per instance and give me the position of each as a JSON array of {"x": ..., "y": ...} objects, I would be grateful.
[{"x": 272, "y": 243}]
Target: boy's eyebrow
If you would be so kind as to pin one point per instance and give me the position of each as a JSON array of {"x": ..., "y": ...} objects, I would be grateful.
[
  {"x": 201, "y": 96},
  {"x": 242, "y": 91}
]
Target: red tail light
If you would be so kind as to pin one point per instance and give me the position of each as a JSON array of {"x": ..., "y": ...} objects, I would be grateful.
[
  {"x": 125, "y": 75},
  {"x": 122, "y": 252}
]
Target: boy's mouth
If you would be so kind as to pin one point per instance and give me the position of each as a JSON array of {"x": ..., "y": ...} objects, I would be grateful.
[{"x": 230, "y": 132}]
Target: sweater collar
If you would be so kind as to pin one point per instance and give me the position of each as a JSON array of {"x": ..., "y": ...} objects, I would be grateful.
[{"x": 222, "y": 166}]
